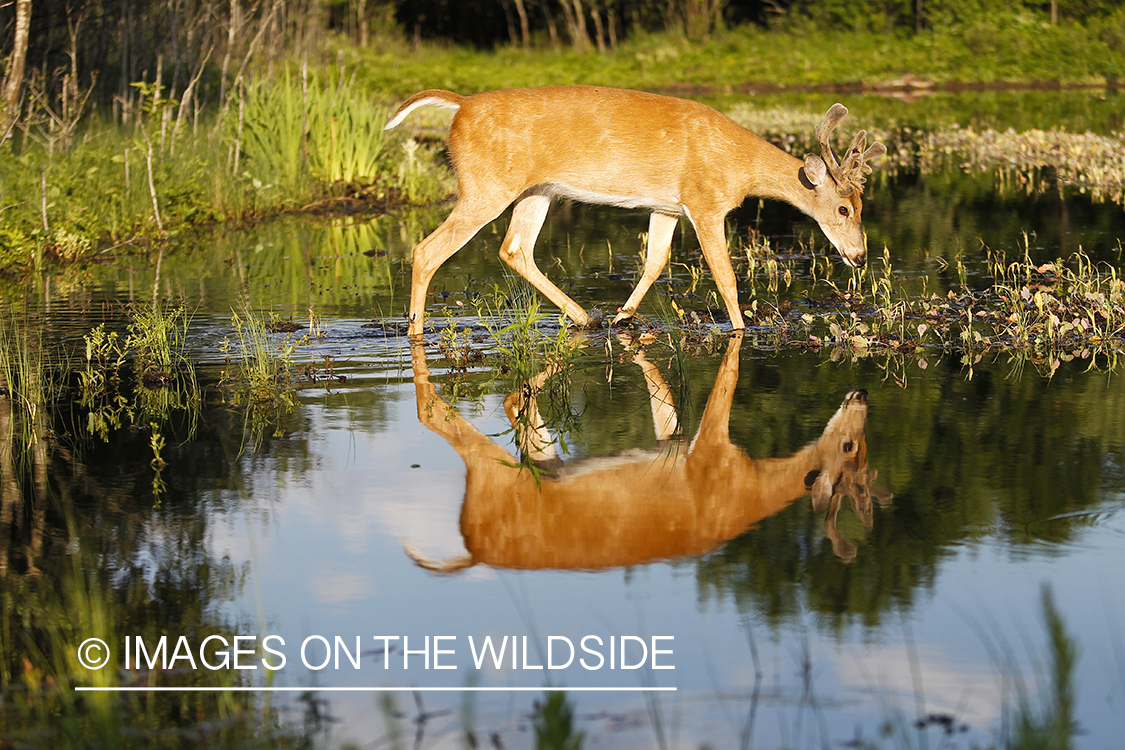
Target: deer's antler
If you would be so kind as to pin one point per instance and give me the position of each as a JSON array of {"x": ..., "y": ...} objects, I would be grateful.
[{"x": 849, "y": 173}]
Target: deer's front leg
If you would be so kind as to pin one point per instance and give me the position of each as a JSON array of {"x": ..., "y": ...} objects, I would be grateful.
[
  {"x": 660, "y": 229},
  {"x": 713, "y": 242}
]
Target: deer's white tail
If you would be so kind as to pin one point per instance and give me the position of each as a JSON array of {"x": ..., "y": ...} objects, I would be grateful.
[{"x": 431, "y": 98}]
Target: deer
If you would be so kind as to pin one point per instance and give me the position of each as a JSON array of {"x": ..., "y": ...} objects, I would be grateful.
[
  {"x": 640, "y": 506},
  {"x": 631, "y": 149}
]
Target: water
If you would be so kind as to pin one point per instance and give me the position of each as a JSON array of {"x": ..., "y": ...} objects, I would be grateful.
[{"x": 793, "y": 632}]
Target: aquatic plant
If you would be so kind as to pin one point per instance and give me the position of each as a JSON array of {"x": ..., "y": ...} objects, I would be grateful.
[
  {"x": 1033, "y": 160},
  {"x": 260, "y": 372},
  {"x": 145, "y": 377}
]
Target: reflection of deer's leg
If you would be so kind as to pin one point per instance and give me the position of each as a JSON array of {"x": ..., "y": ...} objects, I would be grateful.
[
  {"x": 664, "y": 418},
  {"x": 522, "y": 408},
  {"x": 660, "y": 229},
  {"x": 714, "y": 429},
  {"x": 436, "y": 414},
  {"x": 519, "y": 246}
]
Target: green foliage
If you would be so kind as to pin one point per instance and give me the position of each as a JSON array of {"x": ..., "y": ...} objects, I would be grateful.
[
  {"x": 272, "y": 118},
  {"x": 885, "y": 15},
  {"x": 1005, "y": 48},
  {"x": 346, "y": 137},
  {"x": 326, "y": 132},
  {"x": 145, "y": 378},
  {"x": 261, "y": 373},
  {"x": 554, "y": 724}
]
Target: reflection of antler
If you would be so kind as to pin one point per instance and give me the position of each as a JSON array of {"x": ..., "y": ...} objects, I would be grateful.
[
  {"x": 641, "y": 505},
  {"x": 849, "y": 173}
]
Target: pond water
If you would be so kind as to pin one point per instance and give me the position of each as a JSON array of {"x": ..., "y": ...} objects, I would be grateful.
[{"x": 381, "y": 503}]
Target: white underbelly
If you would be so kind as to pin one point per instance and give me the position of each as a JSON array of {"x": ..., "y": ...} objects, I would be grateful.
[{"x": 668, "y": 205}]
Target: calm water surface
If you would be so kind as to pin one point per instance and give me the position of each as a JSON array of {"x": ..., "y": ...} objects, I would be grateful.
[{"x": 984, "y": 487}]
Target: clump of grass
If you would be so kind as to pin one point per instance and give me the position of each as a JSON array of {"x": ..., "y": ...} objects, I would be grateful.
[
  {"x": 1059, "y": 310},
  {"x": 323, "y": 132},
  {"x": 515, "y": 324},
  {"x": 260, "y": 372},
  {"x": 1043, "y": 314},
  {"x": 145, "y": 377},
  {"x": 29, "y": 384}
]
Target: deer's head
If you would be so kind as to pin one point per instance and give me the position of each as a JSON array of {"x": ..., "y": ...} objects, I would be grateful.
[{"x": 837, "y": 187}]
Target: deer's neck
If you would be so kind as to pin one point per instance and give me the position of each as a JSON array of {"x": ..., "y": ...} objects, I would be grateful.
[{"x": 772, "y": 173}]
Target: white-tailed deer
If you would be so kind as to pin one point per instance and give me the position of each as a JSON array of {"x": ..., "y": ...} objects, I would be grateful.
[
  {"x": 631, "y": 149},
  {"x": 639, "y": 506}
]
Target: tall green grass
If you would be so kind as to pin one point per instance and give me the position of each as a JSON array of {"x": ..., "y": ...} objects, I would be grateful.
[{"x": 281, "y": 145}]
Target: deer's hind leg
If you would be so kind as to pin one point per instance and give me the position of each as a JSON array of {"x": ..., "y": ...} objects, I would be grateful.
[
  {"x": 518, "y": 252},
  {"x": 466, "y": 219}
]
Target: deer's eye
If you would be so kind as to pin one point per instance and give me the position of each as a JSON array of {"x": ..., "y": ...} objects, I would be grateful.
[{"x": 843, "y": 210}]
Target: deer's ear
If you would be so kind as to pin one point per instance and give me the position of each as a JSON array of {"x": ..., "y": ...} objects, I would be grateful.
[{"x": 816, "y": 171}]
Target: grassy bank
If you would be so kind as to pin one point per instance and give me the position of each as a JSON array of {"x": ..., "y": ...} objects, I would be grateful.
[
  {"x": 301, "y": 142},
  {"x": 1001, "y": 50}
]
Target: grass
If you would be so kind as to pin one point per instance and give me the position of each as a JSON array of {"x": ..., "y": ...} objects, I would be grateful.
[
  {"x": 144, "y": 378},
  {"x": 260, "y": 373},
  {"x": 1002, "y": 49},
  {"x": 287, "y": 146}
]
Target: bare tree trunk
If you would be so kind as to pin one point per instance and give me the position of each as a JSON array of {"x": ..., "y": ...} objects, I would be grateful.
[
  {"x": 361, "y": 18},
  {"x": 233, "y": 24},
  {"x": 580, "y": 14},
  {"x": 552, "y": 29},
  {"x": 576, "y": 24},
  {"x": 189, "y": 92},
  {"x": 16, "y": 63},
  {"x": 511, "y": 24},
  {"x": 701, "y": 17},
  {"x": 257, "y": 39},
  {"x": 599, "y": 30},
  {"x": 525, "y": 27}
]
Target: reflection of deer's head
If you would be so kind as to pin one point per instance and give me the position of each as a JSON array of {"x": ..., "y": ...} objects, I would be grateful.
[
  {"x": 639, "y": 506},
  {"x": 849, "y": 475}
]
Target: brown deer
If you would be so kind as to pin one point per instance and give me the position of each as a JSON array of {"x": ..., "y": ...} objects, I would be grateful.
[
  {"x": 640, "y": 506},
  {"x": 631, "y": 149}
]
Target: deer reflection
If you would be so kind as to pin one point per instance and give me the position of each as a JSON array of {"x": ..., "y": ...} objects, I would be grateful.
[{"x": 638, "y": 506}]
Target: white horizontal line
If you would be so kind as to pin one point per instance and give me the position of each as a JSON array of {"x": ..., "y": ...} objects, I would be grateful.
[{"x": 240, "y": 689}]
